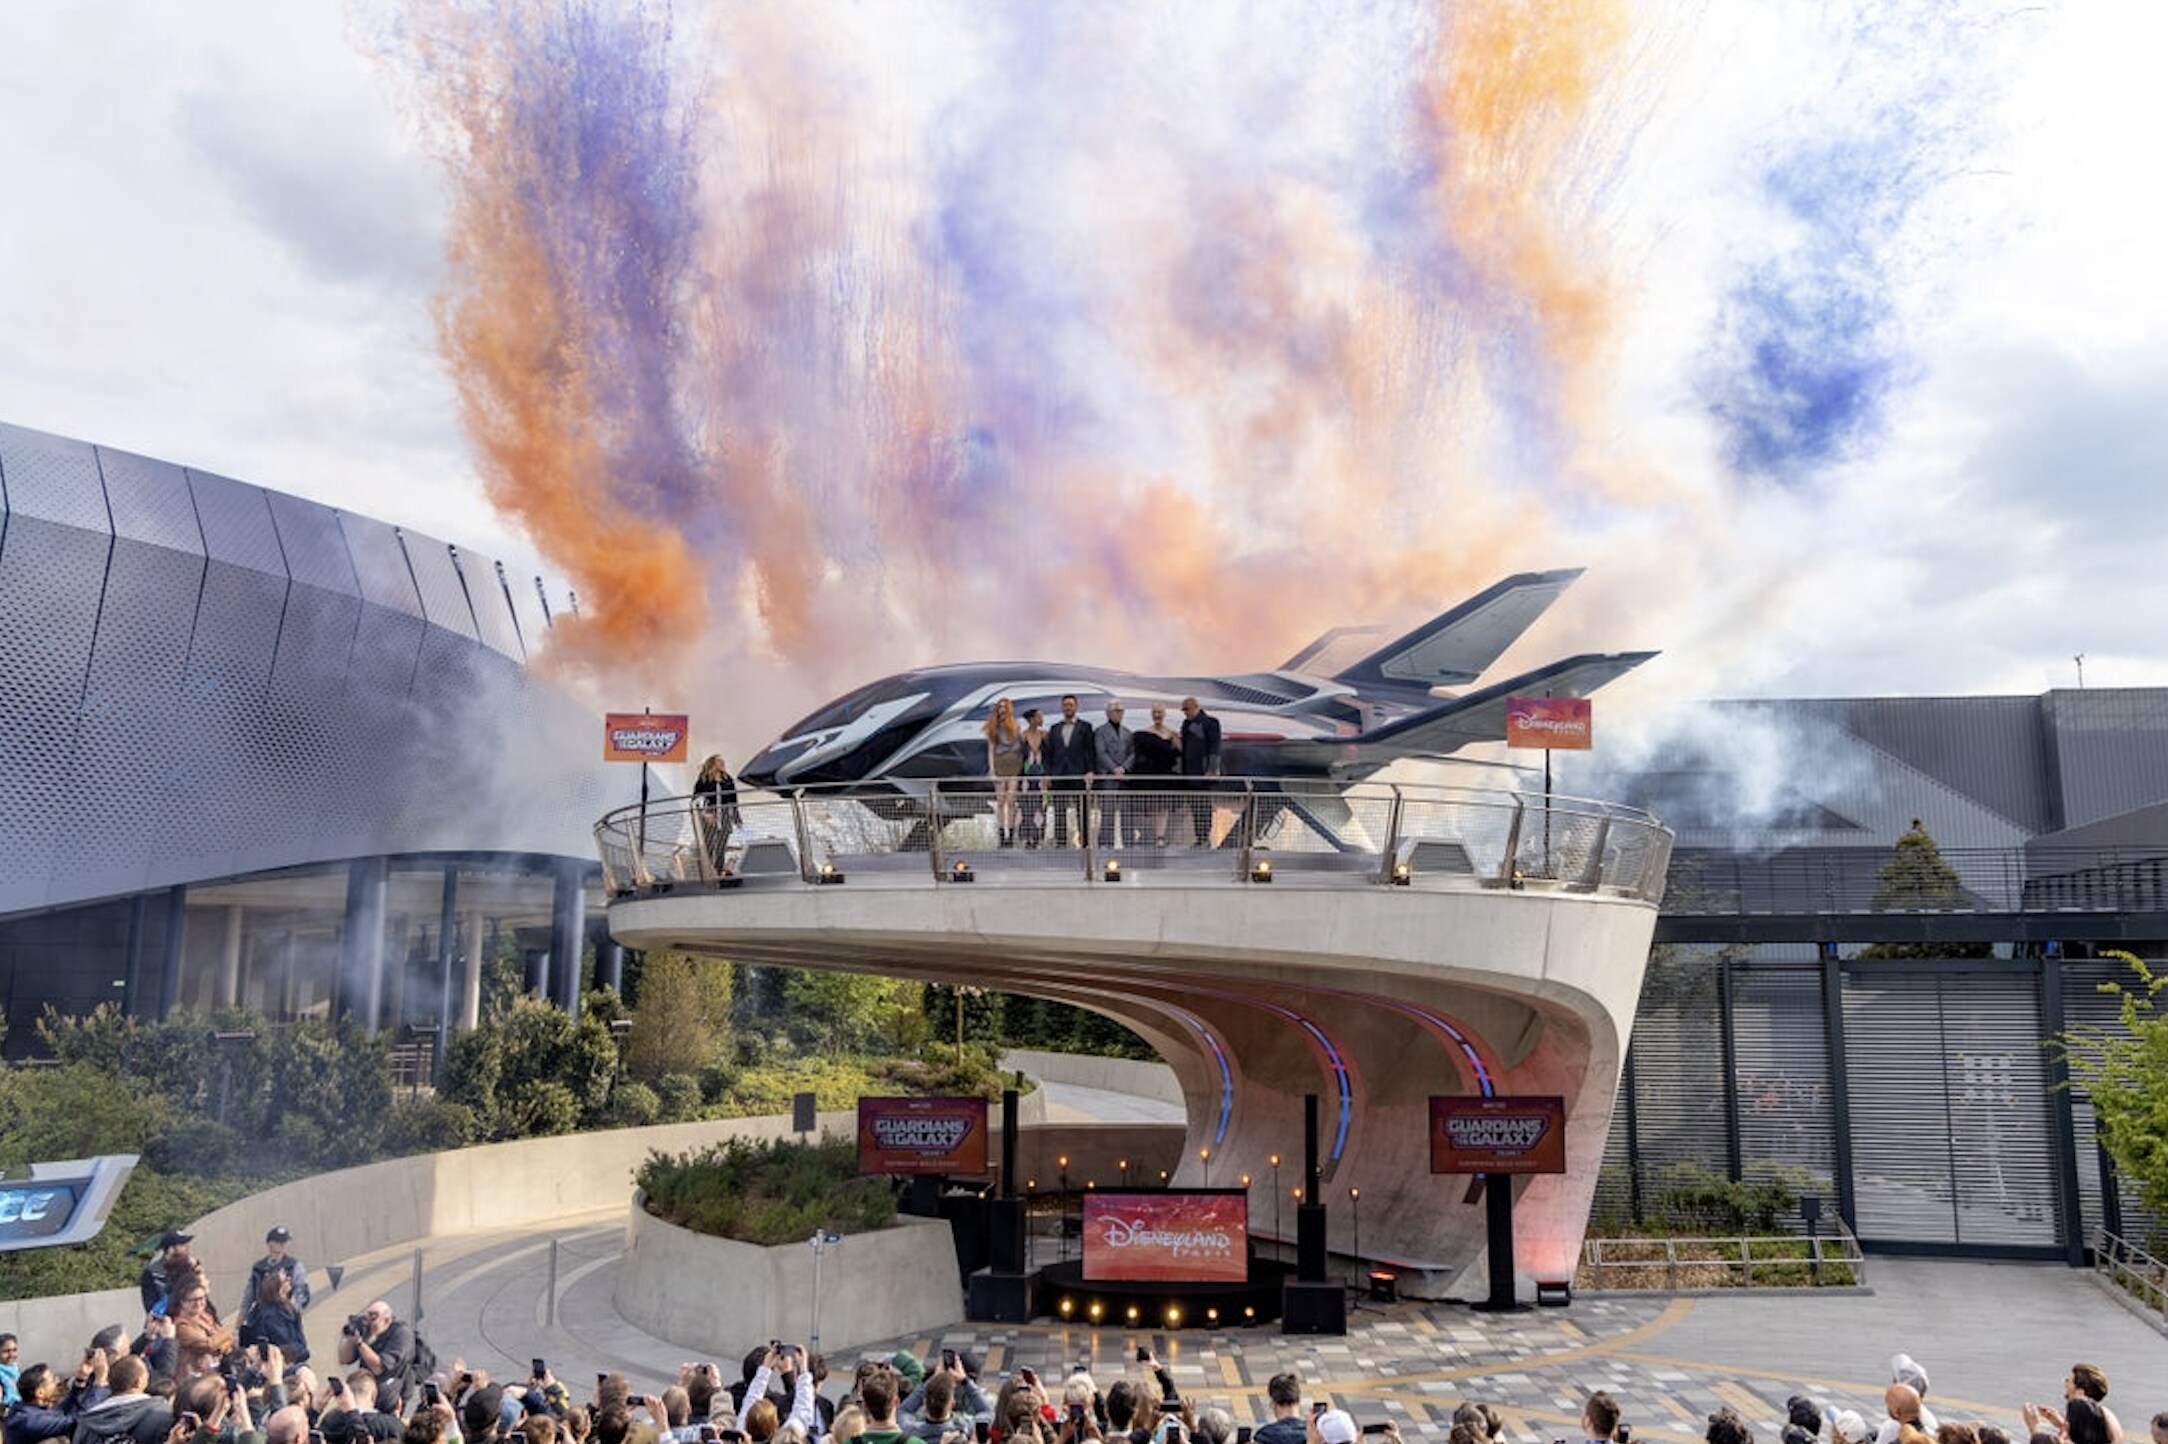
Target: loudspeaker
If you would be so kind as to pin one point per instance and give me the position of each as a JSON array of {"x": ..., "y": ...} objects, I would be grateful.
[
  {"x": 1005, "y": 1244},
  {"x": 1310, "y": 1242},
  {"x": 1313, "y": 1309},
  {"x": 999, "y": 1298}
]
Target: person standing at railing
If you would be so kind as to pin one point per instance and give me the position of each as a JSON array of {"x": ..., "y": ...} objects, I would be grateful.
[
  {"x": 1005, "y": 764},
  {"x": 1115, "y": 747},
  {"x": 1071, "y": 754},
  {"x": 1158, "y": 760},
  {"x": 1200, "y": 765},
  {"x": 1032, "y": 824},
  {"x": 715, "y": 810}
]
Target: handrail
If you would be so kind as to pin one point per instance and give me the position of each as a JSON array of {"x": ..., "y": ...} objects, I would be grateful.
[
  {"x": 2134, "y": 1272},
  {"x": 1311, "y": 831}
]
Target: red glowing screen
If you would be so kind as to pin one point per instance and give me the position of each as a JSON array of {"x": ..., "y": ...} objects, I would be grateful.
[{"x": 1196, "y": 1236}]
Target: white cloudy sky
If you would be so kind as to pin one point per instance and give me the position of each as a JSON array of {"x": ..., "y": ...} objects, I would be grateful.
[{"x": 221, "y": 241}]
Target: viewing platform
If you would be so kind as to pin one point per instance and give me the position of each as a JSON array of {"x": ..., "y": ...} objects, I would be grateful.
[{"x": 1374, "y": 944}]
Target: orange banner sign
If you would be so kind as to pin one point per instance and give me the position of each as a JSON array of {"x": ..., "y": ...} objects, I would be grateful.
[
  {"x": 1193, "y": 1237},
  {"x": 645, "y": 736},
  {"x": 1497, "y": 1135},
  {"x": 1562, "y": 723},
  {"x": 922, "y": 1135}
]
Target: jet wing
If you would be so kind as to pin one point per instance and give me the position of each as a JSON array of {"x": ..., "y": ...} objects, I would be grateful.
[
  {"x": 1481, "y": 716},
  {"x": 1458, "y": 645}
]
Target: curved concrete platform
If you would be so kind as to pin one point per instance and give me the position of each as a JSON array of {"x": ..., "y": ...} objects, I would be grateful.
[{"x": 1325, "y": 981}]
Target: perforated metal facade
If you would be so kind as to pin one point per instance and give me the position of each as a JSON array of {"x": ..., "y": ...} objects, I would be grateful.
[{"x": 200, "y": 678}]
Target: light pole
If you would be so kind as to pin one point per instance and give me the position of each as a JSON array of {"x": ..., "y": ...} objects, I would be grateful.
[
  {"x": 1124, "y": 1166},
  {"x": 822, "y": 1242},
  {"x": 1355, "y": 1206},
  {"x": 1276, "y": 1241},
  {"x": 1204, "y": 1156},
  {"x": 1063, "y": 1161}
]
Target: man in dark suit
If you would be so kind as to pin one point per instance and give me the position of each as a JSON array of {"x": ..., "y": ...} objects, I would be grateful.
[
  {"x": 1071, "y": 753},
  {"x": 1200, "y": 764}
]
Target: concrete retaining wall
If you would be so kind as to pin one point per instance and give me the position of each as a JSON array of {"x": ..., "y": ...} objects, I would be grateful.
[
  {"x": 357, "y": 1211},
  {"x": 718, "y": 1298},
  {"x": 1114, "y": 1075}
]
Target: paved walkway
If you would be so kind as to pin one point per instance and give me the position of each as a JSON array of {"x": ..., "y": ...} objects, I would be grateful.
[{"x": 1991, "y": 1336}]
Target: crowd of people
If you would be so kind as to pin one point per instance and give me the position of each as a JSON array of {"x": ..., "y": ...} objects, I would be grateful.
[{"x": 187, "y": 1378}]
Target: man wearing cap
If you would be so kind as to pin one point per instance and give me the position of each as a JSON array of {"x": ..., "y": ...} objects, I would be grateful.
[
  {"x": 1337, "y": 1426},
  {"x": 173, "y": 1262},
  {"x": 275, "y": 1260}
]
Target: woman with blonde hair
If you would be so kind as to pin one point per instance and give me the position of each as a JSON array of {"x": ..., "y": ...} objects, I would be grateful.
[
  {"x": 1004, "y": 763},
  {"x": 715, "y": 811}
]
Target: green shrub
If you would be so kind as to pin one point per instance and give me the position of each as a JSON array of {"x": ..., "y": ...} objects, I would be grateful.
[
  {"x": 428, "y": 1125},
  {"x": 200, "y": 1146},
  {"x": 539, "y": 1110},
  {"x": 715, "y": 1081},
  {"x": 75, "y": 1111},
  {"x": 771, "y": 1193},
  {"x": 634, "y": 1104},
  {"x": 680, "y": 1094}
]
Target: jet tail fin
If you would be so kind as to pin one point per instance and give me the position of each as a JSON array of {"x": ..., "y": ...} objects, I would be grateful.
[
  {"x": 1481, "y": 716},
  {"x": 1458, "y": 645}
]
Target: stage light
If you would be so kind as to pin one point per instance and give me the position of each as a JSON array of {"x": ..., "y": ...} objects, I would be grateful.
[
  {"x": 1174, "y": 1316},
  {"x": 1403, "y": 874},
  {"x": 1554, "y": 1293},
  {"x": 1245, "y": 1180},
  {"x": 1261, "y": 870},
  {"x": 1096, "y": 1310},
  {"x": 1090, "y": 1184},
  {"x": 1132, "y": 1313},
  {"x": 829, "y": 874},
  {"x": 961, "y": 872},
  {"x": 1249, "y": 1311},
  {"x": 1067, "y": 1307},
  {"x": 1274, "y": 1160},
  {"x": 1114, "y": 870},
  {"x": 1384, "y": 1285},
  {"x": 1211, "y": 1316},
  {"x": 1354, "y": 1194},
  {"x": 1063, "y": 1161}
]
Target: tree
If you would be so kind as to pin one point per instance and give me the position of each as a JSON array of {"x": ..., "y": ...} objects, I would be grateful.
[
  {"x": 835, "y": 1011},
  {"x": 1918, "y": 879},
  {"x": 2124, "y": 1070},
  {"x": 682, "y": 1018}
]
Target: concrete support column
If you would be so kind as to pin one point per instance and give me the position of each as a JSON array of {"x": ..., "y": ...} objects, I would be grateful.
[
  {"x": 169, "y": 970},
  {"x": 229, "y": 958},
  {"x": 361, "y": 946},
  {"x": 447, "y": 954},
  {"x": 470, "y": 991},
  {"x": 568, "y": 934},
  {"x": 610, "y": 965},
  {"x": 131, "y": 998}
]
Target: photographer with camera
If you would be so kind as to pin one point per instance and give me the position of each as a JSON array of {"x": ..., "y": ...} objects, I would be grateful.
[{"x": 383, "y": 1347}]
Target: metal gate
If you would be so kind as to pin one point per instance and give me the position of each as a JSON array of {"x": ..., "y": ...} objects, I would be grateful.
[{"x": 1951, "y": 1136}]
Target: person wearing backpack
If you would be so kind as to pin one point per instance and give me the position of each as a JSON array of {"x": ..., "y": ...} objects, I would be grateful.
[{"x": 384, "y": 1348}]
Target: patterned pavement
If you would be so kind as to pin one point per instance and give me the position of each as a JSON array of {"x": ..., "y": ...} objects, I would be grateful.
[{"x": 1992, "y": 1335}]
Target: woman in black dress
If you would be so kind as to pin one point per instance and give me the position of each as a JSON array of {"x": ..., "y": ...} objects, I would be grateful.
[{"x": 1158, "y": 759}]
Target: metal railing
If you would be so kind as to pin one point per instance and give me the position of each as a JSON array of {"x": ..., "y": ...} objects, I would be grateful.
[
  {"x": 2135, "y": 1272},
  {"x": 1722, "y": 1262},
  {"x": 1853, "y": 880},
  {"x": 1248, "y": 830}
]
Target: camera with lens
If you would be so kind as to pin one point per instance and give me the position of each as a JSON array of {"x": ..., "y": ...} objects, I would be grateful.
[{"x": 357, "y": 1324}]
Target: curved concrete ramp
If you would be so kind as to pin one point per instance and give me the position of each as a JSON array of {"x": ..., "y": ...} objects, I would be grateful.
[{"x": 1326, "y": 981}]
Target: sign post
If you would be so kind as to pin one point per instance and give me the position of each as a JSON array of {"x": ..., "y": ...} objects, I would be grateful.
[
  {"x": 1552, "y": 724},
  {"x": 644, "y": 736},
  {"x": 1498, "y": 1138}
]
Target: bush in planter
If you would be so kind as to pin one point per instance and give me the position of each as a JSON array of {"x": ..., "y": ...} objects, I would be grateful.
[{"x": 767, "y": 1194}]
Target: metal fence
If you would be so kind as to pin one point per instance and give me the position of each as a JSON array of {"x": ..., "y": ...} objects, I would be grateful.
[
  {"x": 1240, "y": 829},
  {"x": 1781, "y": 1260},
  {"x": 1707, "y": 883}
]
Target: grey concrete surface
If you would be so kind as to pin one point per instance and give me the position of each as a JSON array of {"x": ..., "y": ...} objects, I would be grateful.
[{"x": 1992, "y": 1336}]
